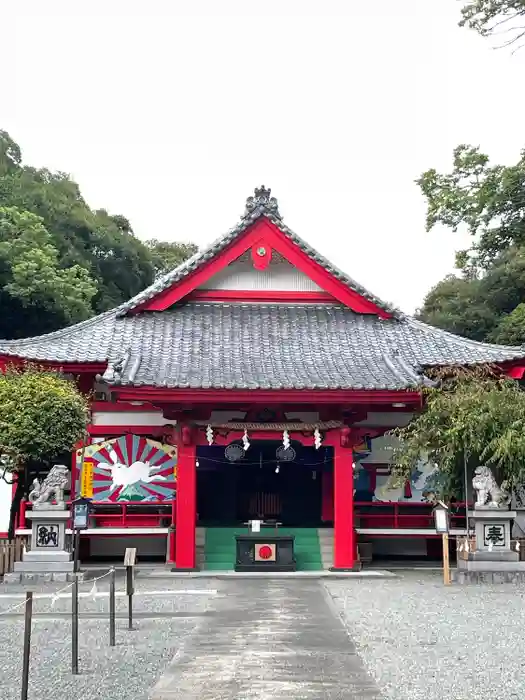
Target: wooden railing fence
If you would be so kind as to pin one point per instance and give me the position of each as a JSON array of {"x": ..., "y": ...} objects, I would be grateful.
[{"x": 10, "y": 551}]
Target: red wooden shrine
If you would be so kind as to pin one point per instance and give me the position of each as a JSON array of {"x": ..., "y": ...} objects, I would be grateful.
[{"x": 257, "y": 339}]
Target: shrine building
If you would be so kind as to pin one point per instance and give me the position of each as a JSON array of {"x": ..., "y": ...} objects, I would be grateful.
[{"x": 254, "y": 381}]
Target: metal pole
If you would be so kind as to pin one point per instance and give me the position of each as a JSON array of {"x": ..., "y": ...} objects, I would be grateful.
[
  {"x": 27, "y": 644},
  {"x": 76, "y": 552},
  {"x": 74, "y": 627},
  {"x": 112, "y": 608},
  {"x": 130, "y": 591}
]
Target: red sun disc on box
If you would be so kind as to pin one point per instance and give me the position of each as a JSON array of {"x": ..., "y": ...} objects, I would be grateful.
[{"x": 265, "y": 552}]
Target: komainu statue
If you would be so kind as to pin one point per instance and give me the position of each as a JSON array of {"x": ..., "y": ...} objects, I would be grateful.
[
  {"x": 488, "y": 493},
  {"x": 52, "y": 488}
]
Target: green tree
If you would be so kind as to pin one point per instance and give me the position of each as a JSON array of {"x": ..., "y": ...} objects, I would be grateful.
[
  {"x": 42, "y": 416},
  {"x": 455, "y": 304},
  {"x": 495, "y": 17},
  {"x": 10, "y": 155},
  {"x": 103, "y": 245},
  {"x": 489, "y": 201},
  {"x": 475, "y": 417},
  {"x": 511, "y": 328},
  {"x": 117, "y": 260},
  {"x": 30, "y": 276},
  {"x": 167, "y": 255}
]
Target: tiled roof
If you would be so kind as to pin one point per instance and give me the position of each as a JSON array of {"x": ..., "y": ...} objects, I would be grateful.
[
  {"x": 259, "y": 346},
  {"x": 262, "y": 204}
]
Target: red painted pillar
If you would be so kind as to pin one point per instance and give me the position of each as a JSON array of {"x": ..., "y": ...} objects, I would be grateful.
[
  {"x": 344, "y": 536},
  {"x": 186, "y": 503}
]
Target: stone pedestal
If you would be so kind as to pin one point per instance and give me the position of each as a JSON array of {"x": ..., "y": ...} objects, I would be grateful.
[
  {"x": 48, "y": 559},
  {"x": 493, "y": 561}
]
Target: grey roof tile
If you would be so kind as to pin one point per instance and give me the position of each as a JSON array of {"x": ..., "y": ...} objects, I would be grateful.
[
  {"x": 249, "y": 346},
  {"x": 255, "y": 346}
]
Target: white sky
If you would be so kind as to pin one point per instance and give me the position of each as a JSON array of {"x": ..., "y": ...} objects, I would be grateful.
[{"x": 170, "y": 113}]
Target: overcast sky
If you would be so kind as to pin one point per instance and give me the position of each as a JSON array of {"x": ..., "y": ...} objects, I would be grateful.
[{"x": 171, "y": 113}]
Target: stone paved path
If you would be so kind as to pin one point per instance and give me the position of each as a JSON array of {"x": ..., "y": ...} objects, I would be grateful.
[{"x": 268, "y": 640}]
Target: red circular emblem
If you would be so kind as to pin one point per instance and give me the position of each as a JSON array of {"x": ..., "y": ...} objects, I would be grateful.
[{"x": 265, "y": 552}]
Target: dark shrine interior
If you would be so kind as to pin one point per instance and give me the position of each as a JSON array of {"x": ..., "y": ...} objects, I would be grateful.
[{"x": 264, "y": 482}]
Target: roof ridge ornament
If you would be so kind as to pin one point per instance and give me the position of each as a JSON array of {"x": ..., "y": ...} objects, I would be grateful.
[{"x": 262, "y": 200}]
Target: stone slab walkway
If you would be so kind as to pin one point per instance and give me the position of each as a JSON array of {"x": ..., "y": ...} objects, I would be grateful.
[
  {"x": 288, "y": 575},
  {"x": 268, "y": 640}
]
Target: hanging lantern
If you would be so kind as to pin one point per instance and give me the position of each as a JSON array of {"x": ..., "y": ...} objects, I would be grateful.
[
  {"x": 234, "y": 452},
  {"x": 245, "y": 441},
  {"x": 286, "y": 439},
  {"x": 318, "y": 440},
  {"x": 209, "y": 435},
  {"x": 285, "y": 454}
]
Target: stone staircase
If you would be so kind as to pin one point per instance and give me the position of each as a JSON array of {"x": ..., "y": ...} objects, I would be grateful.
[
  {"x": 200, "y": 537},
  {"x": 326, "y": 543}
]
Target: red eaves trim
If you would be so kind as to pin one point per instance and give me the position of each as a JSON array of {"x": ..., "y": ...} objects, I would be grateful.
[
  {"x": 516, "y": 372},
  {"x": 279, "y": 396},
  {"x": 71, "y": 367},
  {"x": 121, "y": 407},
  {"x": 110, "y": 430},
  {"x": 257, "y": 295},
  {"x": 263, "y": 229},
  {"x": 331, "y": 437}
]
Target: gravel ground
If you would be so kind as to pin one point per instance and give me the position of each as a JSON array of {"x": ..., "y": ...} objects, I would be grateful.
[
  {"x": 422, "y": 641},
  {"x": 128, "y": 670},
  {"x": 418, "y": 639}
]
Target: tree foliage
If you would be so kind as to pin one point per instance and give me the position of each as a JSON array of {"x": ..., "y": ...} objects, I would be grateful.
[
  {"x": 30, "y": 274},
  {"x": 489, "y": 201},
  {"x": 41, "y": 413},
  {"x": 477, "y": 416},
  {"x": 455, "y": 304},
  {"x": 42, "y": 416},
  {"x": 93, "y": 259},
  {"x": 167, "y": 255},
  {"x": 503, "y": 18}
]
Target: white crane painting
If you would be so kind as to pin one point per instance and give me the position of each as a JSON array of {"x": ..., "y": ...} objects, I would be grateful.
[{"x": 132, "y": 468}]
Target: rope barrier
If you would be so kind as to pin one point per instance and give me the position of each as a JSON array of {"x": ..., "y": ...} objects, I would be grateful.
[
  {"x": 9, "y": 610},
  {"x": 57, "y": 594}
]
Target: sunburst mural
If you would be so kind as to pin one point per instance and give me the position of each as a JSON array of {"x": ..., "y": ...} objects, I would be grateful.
[{"x": 128, "y": 468}]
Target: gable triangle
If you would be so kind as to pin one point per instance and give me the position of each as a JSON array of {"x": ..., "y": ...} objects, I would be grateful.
[{"x": 260, "y": 236}]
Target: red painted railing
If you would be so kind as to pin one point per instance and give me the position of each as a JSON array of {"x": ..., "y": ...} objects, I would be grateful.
[
  {"x": 370, "y": 515},
  {"x": 108, "y": 514},
  {"x": 401, "y": 515}
]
